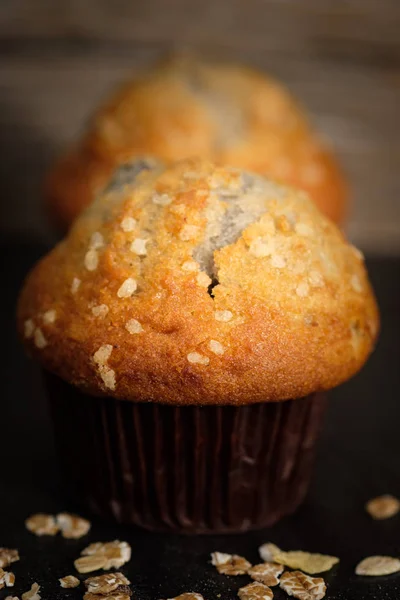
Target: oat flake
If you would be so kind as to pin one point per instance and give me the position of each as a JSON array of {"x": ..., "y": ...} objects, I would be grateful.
[
  {"x": 133, "y": 326},
  {"x": 69, "y": 581},
  {"x": 116, "y": 553},
  {"x": 216, "y": 347},
  {"x": 197, "y": 358},
  {"x": 128, "y": 224},
  {"x": 33, "y": 593},
  {"x": 230, "y": 564},
  {"x": 105, "y": 584},
  {"x": 223, "y": 315},
  {"x": 267, "y": 573},
  {"x": 40, "y": 340},
  {"x": 375, "y": 566},
  {"x": 303, "y": 587},
  {"x": 127, "y": 288},
  {"x": 383, "y": 507},
  {"x": 29, "y": 328},
  {"x": 72, "y": 526},
  {"x": 7, "y": 557},
  {"x": 255, "y": 591},
  {"x": 42, "y": 524}
]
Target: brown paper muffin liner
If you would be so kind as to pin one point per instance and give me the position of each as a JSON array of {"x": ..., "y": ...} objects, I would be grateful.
[{"x": 191, "y": 469}]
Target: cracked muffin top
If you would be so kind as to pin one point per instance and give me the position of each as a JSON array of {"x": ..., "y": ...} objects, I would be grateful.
[
  {"x": 200, "y": 284},
  {"x": 183, "y": 108}
]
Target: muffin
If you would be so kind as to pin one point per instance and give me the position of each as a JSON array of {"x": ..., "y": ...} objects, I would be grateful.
[
  {"x": 188, "y": 326},
  {"x": 184, "y": 108}
]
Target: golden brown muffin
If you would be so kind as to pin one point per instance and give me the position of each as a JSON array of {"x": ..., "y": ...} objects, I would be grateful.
[
  {"x": 228, "y": 114},
  {"x": 198, "y": 284}
]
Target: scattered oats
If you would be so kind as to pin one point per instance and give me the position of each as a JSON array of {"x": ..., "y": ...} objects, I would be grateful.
[
  {"x": 357, "y": 252},
  {"x": 91, "y": 260},
  {"x": 33, "y": 593},
  {"x": 278, "y": 261},
  {"x": 223, "y": 315},
  {"x": 190, "y": 265},
  {"x": 40, "y": 340},
  {"x": 383, "y": 507},
  {"x": 29, "y": 328},
  {"x": 105, "y": 584},
  {"x": 188, "y": 232},
  {"x": 356, "y": 284},
  {"x": 49, "y": 316},
  {"x": 161, "y": 199},
  {"x": 302, "y": 289},
  {"x": 133, "y": 326},
  {"x": 197, "y": 358},
  {"x": 87, "y": 564},
  {"x": 267, "y": 573},
  {"x": 138, "y": 246},
  {"x": 306, "y": 561},
  {"x": 203, "y": 280},
  {"x": 11, "y": 598},
  {"x": 9, "y": 579},
  {"x": 96, "y": 241},
  {"x": 102, "y": 355},
  {"x": 8, "y": 556},
  {"x": 128, "y": 224},
  {"x": 75, "y": 285},
  {"x": 188, "y": 596},
  {"x": 72, "y": 526},
  {"x": 42, "y": 524},
  {"x": 116, "y": 553},
  {"x": 255, "y": 591},
  {"x": 127, "y": 288},
  {"x": 302, "y": 586},
  {"x": 230, "y": 564},
  {"x": 374, "y": 566},
  {"x": 268, "y": 551},
  {"x": 216, "y": 347},
  {"x": 315, "y": 278},
  {"x": 100, "y": 311},
  {"x": 69, "y": 581},
  {"x": 304, "y": 230}
]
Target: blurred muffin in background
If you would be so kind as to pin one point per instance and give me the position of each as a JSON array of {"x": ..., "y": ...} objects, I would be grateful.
[{"x": 183, "y": 107}]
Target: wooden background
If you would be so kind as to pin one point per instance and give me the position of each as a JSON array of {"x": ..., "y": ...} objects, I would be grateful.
[{"x": 341, "y": 57}]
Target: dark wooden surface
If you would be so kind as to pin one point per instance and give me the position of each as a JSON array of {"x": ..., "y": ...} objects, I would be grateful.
[
  {"x": 341, "y": 57},
  {"x": 358, "y": 458}
]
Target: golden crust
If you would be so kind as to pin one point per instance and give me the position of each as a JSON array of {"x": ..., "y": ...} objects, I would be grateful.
[
  {"x": 227, "y": 114},
  {"x": 122, "y": 307}
]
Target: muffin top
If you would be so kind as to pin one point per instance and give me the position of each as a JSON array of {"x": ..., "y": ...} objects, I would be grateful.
[
  {"x": 199, "y": 284},
  {"x": 226, "y": 113}
]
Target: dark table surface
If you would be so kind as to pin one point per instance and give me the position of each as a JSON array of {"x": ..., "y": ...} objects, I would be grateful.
[{"x": 359, "y": 457}]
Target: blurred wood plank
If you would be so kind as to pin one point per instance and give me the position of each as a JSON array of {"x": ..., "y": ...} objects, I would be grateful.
[{"x": 342, "y": 59}]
